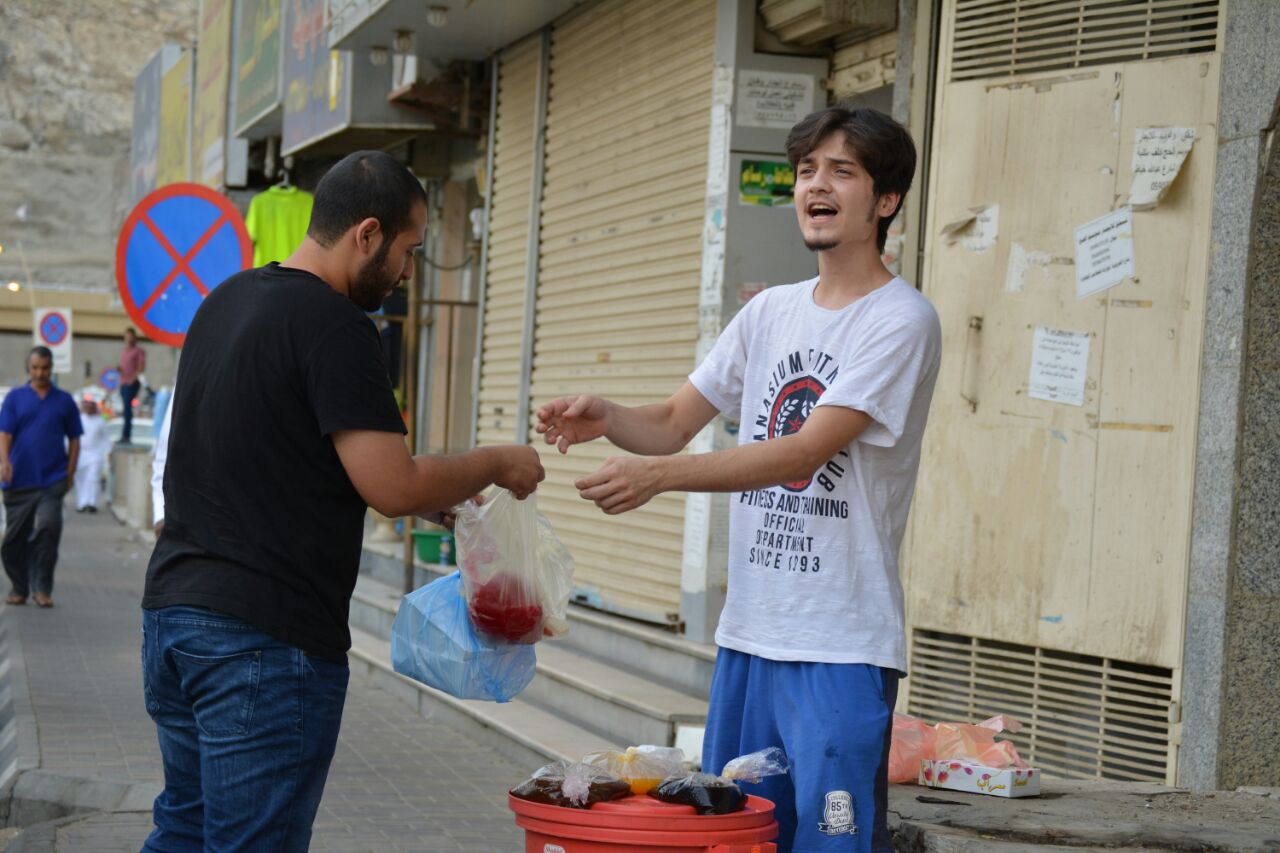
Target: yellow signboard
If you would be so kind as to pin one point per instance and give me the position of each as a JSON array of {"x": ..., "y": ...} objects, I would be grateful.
[
  {"x": 173, "y": 159},
  {"x": 213, "y": 76}
]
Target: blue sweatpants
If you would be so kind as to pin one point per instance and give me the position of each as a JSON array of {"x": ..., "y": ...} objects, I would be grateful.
[{"x": 834, "y": 721}]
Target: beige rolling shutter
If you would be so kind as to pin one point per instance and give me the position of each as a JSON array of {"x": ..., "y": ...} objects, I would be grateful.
[
  {"x": 626, "y": 150},
  {"x": 508, "y": 244}
]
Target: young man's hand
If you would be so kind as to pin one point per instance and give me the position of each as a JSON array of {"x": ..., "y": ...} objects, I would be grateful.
[
  {"x": 573, "y": 420},
  {"x": 521, "y": 470},
  {"x": 621, "y": 484},
  {"x": 6, "y": 471}
]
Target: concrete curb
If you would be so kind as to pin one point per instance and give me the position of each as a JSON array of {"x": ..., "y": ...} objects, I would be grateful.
[
  {"x": 39, "y": 801},
  {"x": 39, "y": 796}
]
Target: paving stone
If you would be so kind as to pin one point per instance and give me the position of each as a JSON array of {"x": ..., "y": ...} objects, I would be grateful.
[{"x": 398, "y": 781}]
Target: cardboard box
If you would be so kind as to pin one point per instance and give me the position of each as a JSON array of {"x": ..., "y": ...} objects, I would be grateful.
[{"x": 971, "y": 777}]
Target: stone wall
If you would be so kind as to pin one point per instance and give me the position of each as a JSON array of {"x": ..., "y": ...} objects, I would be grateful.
[
  {"x": 66, "y": 107},
  {"x": 1250, "y": 752},
  {"x": 1230, "y": 732}
]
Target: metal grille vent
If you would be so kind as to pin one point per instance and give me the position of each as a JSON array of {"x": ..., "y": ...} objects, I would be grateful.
[
  {"x": 1084, "y": 716},
  {"x": 995, "y": 38}
]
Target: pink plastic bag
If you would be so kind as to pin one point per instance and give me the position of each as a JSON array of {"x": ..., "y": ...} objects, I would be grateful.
[
  {"x": 978, "y": 743},
  {"x": 913, "y": 740}
]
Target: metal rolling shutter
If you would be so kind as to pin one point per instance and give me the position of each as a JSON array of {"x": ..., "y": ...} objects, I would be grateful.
[
  {"x": 508, "y": 243},
  {"x": 627, "y": 129}
]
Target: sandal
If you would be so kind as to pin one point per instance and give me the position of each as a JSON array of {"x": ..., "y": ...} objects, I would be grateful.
[
  {"x": 43, "y": 600},
  {"x": 16, "y": 599}
]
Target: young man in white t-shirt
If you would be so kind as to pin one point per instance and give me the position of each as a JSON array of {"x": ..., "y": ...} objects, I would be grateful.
[{"x": 830, "y": 380}]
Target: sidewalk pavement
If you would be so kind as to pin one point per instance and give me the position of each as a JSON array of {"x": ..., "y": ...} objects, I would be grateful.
[
  {"x": 398, "y": 781},
  {"x": 401, "y": 782}
]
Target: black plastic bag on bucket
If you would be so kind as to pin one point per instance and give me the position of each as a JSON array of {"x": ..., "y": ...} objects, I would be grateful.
[
  {"x": 573, "y": 786},
  {"x": 706, "y": 793}
]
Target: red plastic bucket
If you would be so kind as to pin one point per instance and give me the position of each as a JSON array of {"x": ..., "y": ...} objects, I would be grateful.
[{"x": 641, "y": 823}]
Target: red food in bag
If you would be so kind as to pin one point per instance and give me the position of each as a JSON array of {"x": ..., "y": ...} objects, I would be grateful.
[{"x": 503, "y": 607}]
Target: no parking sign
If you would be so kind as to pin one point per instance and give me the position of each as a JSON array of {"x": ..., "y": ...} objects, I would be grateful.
[
  {"x": 52, "y": 329},
  {"x": 178, "y": 244}
]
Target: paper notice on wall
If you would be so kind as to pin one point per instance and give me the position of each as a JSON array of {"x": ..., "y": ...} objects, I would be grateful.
[
  {"x": 1059, "y": 366},
  {"x": 1104, "y": 252},
  {"x": 1158, "y": 155},
  {"x": 977, "y": 229},
  {"x": 773, "y": 98}
]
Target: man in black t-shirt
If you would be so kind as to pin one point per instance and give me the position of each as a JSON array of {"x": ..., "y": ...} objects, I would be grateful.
[{"x": 284, "y": 430}]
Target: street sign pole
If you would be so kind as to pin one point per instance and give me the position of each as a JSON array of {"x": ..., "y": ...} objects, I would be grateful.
[{"x": 51, "y": 327}]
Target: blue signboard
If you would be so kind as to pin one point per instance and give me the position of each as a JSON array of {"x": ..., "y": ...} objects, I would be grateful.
[{"x": 317, "y": 97}]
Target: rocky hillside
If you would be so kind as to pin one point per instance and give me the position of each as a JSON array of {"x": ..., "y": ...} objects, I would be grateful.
[{"x": 66, "y": 105}]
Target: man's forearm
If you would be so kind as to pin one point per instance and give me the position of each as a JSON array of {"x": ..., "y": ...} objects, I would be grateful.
[
  {"x": 759, "y": 465},
  {"x": 645, "y": 430},
  {"x": 441, "y": 482},
  {"x": 6, "y": 441}
]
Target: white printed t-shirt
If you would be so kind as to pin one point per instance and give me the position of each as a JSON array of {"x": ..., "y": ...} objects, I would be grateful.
[{"x": 813, "y": 565}]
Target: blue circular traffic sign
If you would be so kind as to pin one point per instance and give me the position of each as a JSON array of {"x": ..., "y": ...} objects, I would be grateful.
[
  {"x": 53, "y": 329},
  {"x": 179, "y": 243},
  {"x": 110, "y": 379}
]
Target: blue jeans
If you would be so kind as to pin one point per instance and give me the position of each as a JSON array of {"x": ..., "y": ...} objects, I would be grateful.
[
  {"x": 127, "y": 394},
  {"x": 247, "y": 728}
]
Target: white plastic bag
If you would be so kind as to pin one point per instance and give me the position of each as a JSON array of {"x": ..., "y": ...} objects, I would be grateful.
[
  {"x": 756, "y": 765},
  {"x": 517, "y": 574}
]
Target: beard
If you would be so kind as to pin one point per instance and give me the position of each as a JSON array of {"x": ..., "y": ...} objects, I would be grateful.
[
  {"x": 372, "y": 284},
  {"x": 820, "y": 245}
]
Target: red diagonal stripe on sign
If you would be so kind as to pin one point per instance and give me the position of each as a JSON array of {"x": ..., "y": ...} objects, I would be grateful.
[{"x": 181, "y": 263}]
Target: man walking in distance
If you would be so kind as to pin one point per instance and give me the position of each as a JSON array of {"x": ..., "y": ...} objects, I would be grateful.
[
  {"x": 831, "y": 381},
  {"x": 95, "y": 449},
  {"x": 284, "y": 429},
  {"x": 133, "y": 360},
  {"x": 39, "y": 446}
]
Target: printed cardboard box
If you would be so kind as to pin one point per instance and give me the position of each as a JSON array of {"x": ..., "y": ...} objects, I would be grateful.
[{"x": 973, "y": 778}]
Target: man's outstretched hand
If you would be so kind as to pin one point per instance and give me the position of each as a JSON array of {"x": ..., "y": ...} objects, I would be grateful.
[
  {"x": 573, "y": 420},
  {"x": 621, "y": 484}
]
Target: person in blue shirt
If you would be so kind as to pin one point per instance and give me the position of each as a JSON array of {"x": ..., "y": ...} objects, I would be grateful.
[{"x": 39, "y": 446}]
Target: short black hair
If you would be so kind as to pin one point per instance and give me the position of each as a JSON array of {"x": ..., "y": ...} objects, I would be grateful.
[
  {"x": 882, "y": 146},
  {"x": 361, "y": 185},
  {"x": 43, "y": 352}
]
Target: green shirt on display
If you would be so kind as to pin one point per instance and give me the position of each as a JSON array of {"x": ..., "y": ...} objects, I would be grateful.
[{"x": 277, "y": 222}]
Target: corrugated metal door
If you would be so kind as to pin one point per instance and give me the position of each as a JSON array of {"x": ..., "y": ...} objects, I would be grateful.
[
  {"x": 626, "y": 150},
  {"x": 499, "y": 410}
]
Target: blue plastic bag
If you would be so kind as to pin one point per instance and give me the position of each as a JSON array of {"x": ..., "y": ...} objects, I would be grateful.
[{"x": 433, "y": 641}]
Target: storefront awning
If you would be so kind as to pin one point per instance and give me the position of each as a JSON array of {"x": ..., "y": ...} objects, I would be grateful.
[{"x": 441, "y": 31}]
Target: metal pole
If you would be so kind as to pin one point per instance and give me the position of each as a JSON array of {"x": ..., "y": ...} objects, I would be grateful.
[
  {"x": 409, "y": 376},
  {"x": 484, "y": 247},
  {"x": 535, "y": 229}
]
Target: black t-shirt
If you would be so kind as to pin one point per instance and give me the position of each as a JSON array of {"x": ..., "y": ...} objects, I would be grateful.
[{"x": 261, "y": 520}]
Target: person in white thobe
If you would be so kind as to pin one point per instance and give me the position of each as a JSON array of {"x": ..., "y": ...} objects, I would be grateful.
[
  {"x": 95, "y": 446},
  {"x": 157, "y": 469}
]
